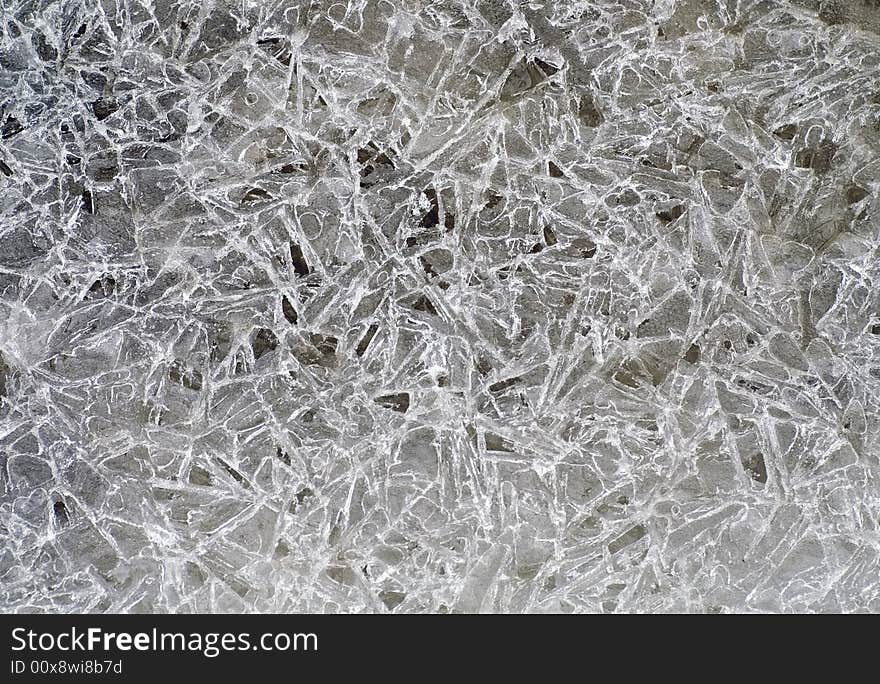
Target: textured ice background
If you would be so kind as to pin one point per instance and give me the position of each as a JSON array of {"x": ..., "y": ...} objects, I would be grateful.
[{"x": 440, "y": 306}]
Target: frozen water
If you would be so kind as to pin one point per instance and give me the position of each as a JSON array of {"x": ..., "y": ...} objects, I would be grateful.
[{"x": 440, "y": 306}]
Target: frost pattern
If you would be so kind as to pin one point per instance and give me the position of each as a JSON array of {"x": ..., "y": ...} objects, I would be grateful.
[{"x": 440, "y": 305}]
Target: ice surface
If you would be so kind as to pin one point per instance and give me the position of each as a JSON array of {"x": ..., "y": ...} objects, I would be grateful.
[{"x": 440, "y": 306}]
